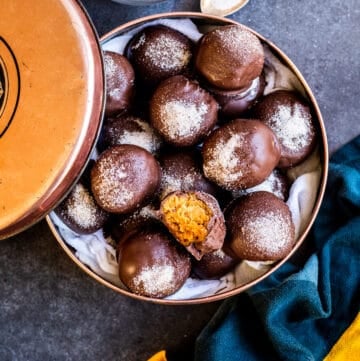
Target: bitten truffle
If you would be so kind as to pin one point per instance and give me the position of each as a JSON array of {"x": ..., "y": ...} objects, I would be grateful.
[
  {"x": 152, "y": 264},
  {"x": 124, "y": 178},
  {"x": 260, "y": 227},
  {"x": 230, "y": 57},
  {"x": 240, "y": 154},
  {"x": 182, "y": 112},
  {"x": 290, "y": 119},
  {"x": 195, "y": 220},
  {"x": 120, "y": 83}
]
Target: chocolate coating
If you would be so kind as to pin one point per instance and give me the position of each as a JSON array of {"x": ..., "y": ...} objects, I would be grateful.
[
  {"x": 234, "y": 103},
  {"x": 276, "y": 183},
  {"x": 80, "y": 212},
  {"x": 290, "y": 119},
  {"x": 214, "y": 265},
  {"x": 121, "y": 226},
  {"x": 128, "y": 129},
  {"x": 120, "y": 83},
  {"x": 158, "y": 52},
  {"x": 240, "y": 154},
  {"x": 230, "y": 57},
  {"x": 215, "y": 227},
  {"x": 151, "y": 264},
  {"x": 182, "y": 112},
  {"x": 124, "y": 178},
  {"x": 182, "y": 171},
  {"x": 260, "y": 227}
]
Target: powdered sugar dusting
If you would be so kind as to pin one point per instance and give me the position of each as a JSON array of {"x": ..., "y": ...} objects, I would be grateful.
[
  {"x": 267, "y": 232},
  {"x": 272, "y": 184},
  {"x": 140, "y": 42},
  {"x": 155, "y": 279},
  {"x": 241, "y": 42},
  {"x": 167, "y": 53},
  {"x": 171, "y": 183},
  {"x": 115, "y": 77},
  {"x": 82, "y": 208},
  {"x": 219, "y": 253},
  {"x": 112, "y": 190},
  {"x": 110, "y": 66},
  {"x": 145, "y": 138},
  {"x": 224, "y": 162},
  {"x": 147, "y": 212},
  {"x": 139, "y": 216},
  {"x": 292, "y": 126},
  {"x": 182, "y": 118}
]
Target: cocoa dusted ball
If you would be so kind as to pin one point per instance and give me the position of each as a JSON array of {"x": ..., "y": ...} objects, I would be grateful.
[
  {"x": 214, "y": 265},
  {"x": 182, "y": 171},
  {"x": 182, "y": 112},
  {"x": 124, "y": 177},
  {"x": 129, "y": 129},
  {"x": 151, "y": 264},
  {"x": 240, "y": 154},
  {"x": 120, "y": 83},
  {"x": 80, "y": 212},
  {"x": 159, "y": 52},
  {"x": 195, "y": 220},
  {"x": 260, "y": 227},
  {"x": 230, "y": 57},
  {"x": 290, "y": 119}
]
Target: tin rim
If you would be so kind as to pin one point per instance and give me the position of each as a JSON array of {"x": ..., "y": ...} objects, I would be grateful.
[{"x": 324, "y": 161}]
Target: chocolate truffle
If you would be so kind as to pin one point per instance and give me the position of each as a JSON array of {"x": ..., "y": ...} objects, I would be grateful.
[
  {"x": 233, "y": 102},
  {"x": 195, "y": 220},
  {"x": 80, "y": 212},
  {"x": 120, "y": 83},
  {"x": 276, "y": 183},
  {"x": 128, "y": 129},
  {"x": 290, "y": 119},
  {"x": 240, "y": 154},
  {"x": 124, "y": 177},
  {"x": 182, "y": 171},
  {"x": 230, "y": 57},
  {"x": 158, "y": 52},
  {"x": 151, "y": 264},
  {"x": 214, "y": 265},
  {"x": 182, "y": 112},
  {"x": 260, "y": 227},
  {"x": 122, "y": 225}
]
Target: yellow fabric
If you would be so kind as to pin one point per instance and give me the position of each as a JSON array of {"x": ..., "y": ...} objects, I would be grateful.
[
  {"x": 347, "y": 348},
  {"x": 159, "y": 356}
]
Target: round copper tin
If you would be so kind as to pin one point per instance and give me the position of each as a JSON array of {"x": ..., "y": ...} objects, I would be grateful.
[
  {"x": 51, "y": 104},
  {"x": 210, "y": 19}
]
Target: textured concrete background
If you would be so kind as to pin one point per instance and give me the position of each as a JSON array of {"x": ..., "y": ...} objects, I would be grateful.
[{"x": 51, "y": 310}]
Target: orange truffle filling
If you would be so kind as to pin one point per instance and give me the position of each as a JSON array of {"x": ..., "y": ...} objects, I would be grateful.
[{"x": 187, "y": 218}]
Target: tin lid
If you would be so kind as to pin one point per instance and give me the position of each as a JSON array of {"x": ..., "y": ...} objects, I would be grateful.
[{"x": 51, "y": 105}]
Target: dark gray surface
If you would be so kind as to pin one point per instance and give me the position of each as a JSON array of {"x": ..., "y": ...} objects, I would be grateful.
[{"x": 51, "y": 310}]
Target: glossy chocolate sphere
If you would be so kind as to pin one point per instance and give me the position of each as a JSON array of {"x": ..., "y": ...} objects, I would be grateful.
[
  {"x": 240, "y": 154},
  {"x": 152, "y": 264}
]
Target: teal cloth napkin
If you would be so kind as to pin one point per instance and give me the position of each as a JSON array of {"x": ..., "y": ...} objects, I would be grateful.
[{"x": 300, "y": 311}]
